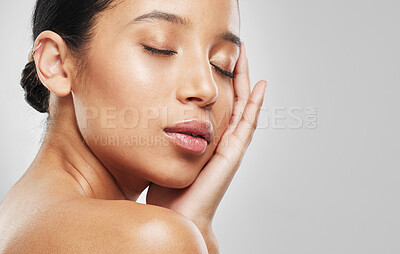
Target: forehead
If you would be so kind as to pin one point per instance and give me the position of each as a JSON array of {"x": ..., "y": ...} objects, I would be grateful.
[{"x": 208, "y": 14}]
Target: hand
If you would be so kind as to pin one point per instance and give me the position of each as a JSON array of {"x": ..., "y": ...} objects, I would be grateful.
[{"x": 200, "y": 200}]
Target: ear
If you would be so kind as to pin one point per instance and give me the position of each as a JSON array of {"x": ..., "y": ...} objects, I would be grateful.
[{"x": 53, "y": 63}]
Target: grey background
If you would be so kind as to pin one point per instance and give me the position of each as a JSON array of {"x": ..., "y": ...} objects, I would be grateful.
[{"x": 329, "y": 189}]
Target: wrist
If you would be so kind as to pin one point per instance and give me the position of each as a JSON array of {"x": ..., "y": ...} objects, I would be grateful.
[{"x": 210, "y": 239}]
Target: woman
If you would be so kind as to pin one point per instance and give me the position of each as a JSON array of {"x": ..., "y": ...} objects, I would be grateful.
[{"x": 138, "y": 94}]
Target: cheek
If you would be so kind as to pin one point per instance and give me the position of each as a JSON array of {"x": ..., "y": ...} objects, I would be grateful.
[
  {"x": 111, "y": 100},
  {"x": 126, "y": 83}
]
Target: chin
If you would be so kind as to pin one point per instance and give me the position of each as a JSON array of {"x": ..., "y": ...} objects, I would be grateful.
[
  {"x": 173, "y": 168},
  {"x": 176, "y": 177}
]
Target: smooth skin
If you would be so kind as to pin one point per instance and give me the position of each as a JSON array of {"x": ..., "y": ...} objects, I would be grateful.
[{"x": 78, "y": 196}]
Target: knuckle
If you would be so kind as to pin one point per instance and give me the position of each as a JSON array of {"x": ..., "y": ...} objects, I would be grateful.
[
  {"x": 242, "y": 99},
  {"x": 253, "y": 102},
  {"x": 250, "y": 122},
  {"x": 236, "y": 114}
]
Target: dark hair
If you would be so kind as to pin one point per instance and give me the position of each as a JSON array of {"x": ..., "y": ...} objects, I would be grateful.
[{"x": 73, "y": 21}]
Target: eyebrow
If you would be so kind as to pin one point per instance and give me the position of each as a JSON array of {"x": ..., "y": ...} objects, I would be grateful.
[
  {"x": 159, "y": 15},
  {"x": 229, "y": 36},
  {"x": 179, "y": 20}
]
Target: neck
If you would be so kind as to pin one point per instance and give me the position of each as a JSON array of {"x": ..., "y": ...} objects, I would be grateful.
[{"x": 63, "y": 148}]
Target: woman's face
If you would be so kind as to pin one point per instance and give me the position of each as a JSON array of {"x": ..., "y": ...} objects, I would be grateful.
[{"x": 145, "y": 74}]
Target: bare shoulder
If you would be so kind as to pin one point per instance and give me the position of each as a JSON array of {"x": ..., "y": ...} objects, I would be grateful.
[{"x": 111, "y": 226}]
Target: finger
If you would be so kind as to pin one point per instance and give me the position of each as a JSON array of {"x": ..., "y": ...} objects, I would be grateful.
[
  {"x": 241, "y": 73},
  {"x": 232, "y": 147},
  {"x": 241, "y": 86},
  {"x": 248, "y": 122},
  {"x": 216, "y": 176}
]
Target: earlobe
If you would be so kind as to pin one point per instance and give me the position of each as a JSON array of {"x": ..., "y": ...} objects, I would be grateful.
[{"x": 50, "y": 60}]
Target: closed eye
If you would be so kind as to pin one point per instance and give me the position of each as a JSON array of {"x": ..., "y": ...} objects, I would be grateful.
[
  {"x": 226, "y": 73},
  {"x": 171, "y": 53},
  {"x": 159, "y": 51}
]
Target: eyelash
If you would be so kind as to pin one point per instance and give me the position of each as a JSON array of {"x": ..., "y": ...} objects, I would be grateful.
[
  {"x": 159, "y": 51},
  {"x": 170, "y": 53},
  {"x": 226, "y": 73}
]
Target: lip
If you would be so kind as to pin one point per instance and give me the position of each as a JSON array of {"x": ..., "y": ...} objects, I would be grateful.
[{"x": 181, "y": 135}]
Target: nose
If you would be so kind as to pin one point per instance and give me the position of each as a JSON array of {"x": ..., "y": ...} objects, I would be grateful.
[{"x": 198, "y": 85}]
